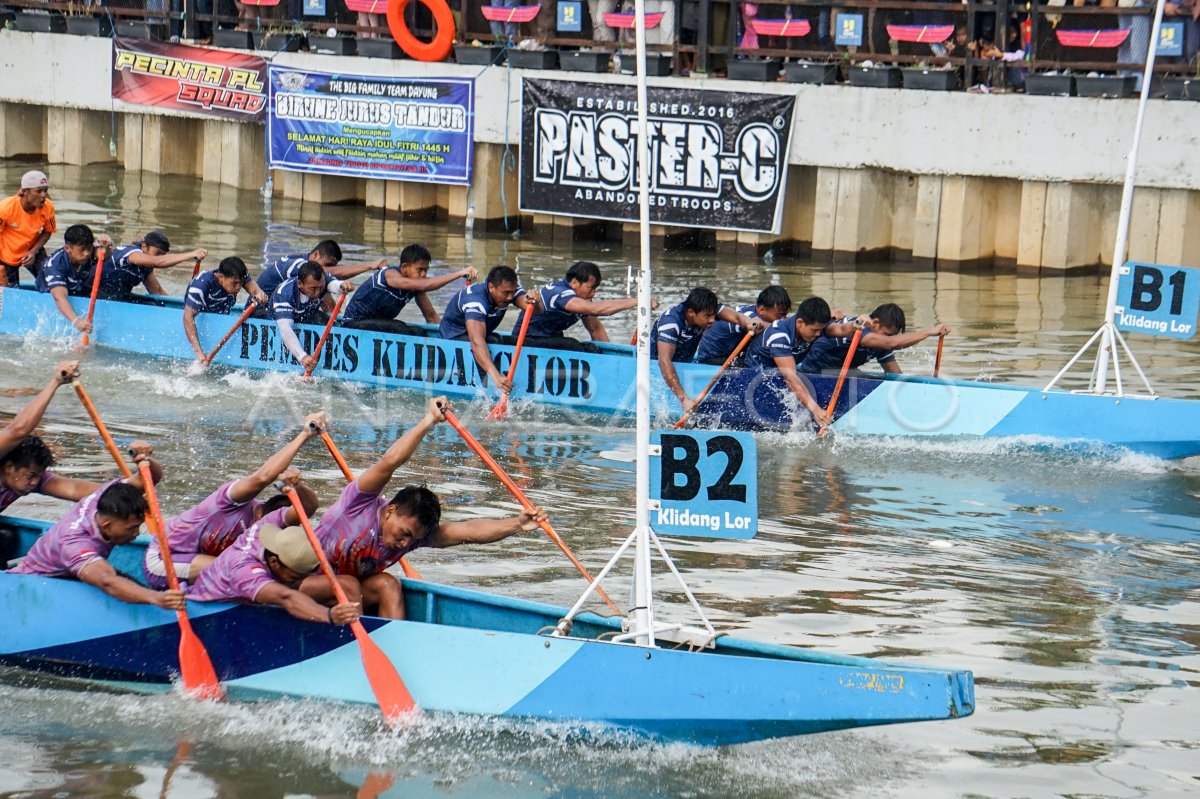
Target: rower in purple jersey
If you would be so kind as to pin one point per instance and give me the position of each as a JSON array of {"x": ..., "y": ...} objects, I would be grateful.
[
  {"x": 720, "y": 340},
  {"x": 266, "y": 565},
  {"x": 567, "y": 301},
  {"x": 364, "y": 533},
  {"x": 201, "y": 533},
  {"x": 79, "y": 544},
  {"x": 377, "y": 303}
]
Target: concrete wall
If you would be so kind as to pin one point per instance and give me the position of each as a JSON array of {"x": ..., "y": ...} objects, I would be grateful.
[{"x": 946, "y": 178}]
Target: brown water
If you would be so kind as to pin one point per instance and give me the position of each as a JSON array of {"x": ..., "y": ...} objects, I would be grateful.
[{"x": 1065, "y": 580}]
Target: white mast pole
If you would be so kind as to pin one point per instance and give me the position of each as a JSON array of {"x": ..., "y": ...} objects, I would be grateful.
[
  {"x": 1108, "y": 344},
  {"x": 643, "y": 601}
]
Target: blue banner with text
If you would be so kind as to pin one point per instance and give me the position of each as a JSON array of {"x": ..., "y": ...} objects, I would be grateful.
[{"x": 371, "y": 126}]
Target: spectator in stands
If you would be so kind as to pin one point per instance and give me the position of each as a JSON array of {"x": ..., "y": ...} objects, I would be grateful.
[{"x": 505, "y": 31}]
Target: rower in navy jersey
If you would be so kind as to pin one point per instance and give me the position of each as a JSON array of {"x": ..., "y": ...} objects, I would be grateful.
[
  {"x": 720, "y": 340},
  {"x": 676, "y": 335},
  {"x": 377, "y": 303},
  {"x": 305, "y": 299},
  {"x": 883, "y": 334},
  {"x": 68, "y": 272},
  {"x": 134, "y": 264},
  {"x": 215, "y": 291},
  {"x": 477, "y": 310},
  {"x": 566, "y": 302},
  {"x": 327, "y": 253}
]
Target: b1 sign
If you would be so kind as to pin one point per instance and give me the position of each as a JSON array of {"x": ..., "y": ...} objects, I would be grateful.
[
  {"x": 704, "y": 484},
  {"x": 1159, "y": 300}
]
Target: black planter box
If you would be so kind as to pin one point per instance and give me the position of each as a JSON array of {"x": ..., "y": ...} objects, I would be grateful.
[
  {"x": 936, "y": 80},
  {"x": 278, "y": 42},
  {"x": 1181, "y": 88},
  {"x": 533, "y": 59},
  {"x": 382, "y": 47},
  {"x": 478, "y": 56},
  {"x": 1106, "y": 86},
  {"x": 235, "y": 40},
  {"x": 657, "y": 64},
  {"x": 7, "y": 16},
  {"x": 332, "y": 45},
  {"x": 1050, "y": 85},
  {"x": 760, "y": 69},
  {"x": 89, "y": 26},
  {"x": 580, "y": 61},
  {"x": 875, "y": 77},
  {"x": 141, "y": 29},
  {"x": 41, "y": 23},
  {"x": 811, "y": 73}
]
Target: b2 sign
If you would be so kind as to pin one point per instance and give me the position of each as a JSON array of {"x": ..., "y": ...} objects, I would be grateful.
[
  {"x": 705, "y": 484},
  {"x": 1159, "y": 300}
]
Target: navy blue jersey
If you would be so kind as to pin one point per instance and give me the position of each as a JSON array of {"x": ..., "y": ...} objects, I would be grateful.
[
  {"x": 59, "y": 272},
  {"x": 472, "y": 302},
  {"x": 284, "y": 268},
  {"x": 205, "y": 295},
  {"x": 376, "y": 299},
  {"x": 828, "y": 354},
  {"x": 778, "y": 340},
  {"x": 723, "y": 337},
  {"x": 553, "y": 319},
  {"x": 288, "y": 303},
  {"x": 120, "y": 278},
  {"x": 673, "y": 328}
]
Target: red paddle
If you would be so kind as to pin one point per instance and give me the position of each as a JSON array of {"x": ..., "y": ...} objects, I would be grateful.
[
  {"x": 101, "y": 254},
  {"x": 837, "y": 388},
  {"x": 502, "y": 406},
  {"x": 250, "y": 307}
]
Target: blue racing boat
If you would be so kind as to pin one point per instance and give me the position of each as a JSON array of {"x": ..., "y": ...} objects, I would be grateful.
[
  {"x": 464, "y": 651},
  {"x": 876, "y": 404}
]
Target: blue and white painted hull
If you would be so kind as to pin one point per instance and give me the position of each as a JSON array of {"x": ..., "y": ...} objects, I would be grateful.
[
  {"x": 469, "y": 652},
  {"x": 888, "y": 405}
]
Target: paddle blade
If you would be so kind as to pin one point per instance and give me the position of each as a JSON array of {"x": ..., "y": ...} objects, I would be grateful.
[
  {"x": 195, "y": 667},
  {"x": 394, "y": 699},
  {"x": 500, "y": 409}
]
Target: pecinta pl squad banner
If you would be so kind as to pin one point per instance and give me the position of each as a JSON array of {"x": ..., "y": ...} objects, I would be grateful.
[
  {"x": 211, "y": 82},
  {"x": 417, "y": 129},
  {"x": 717, "y": 159}
]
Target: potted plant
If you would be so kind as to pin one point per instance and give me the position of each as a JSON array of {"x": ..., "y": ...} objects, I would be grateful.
[
  {"x": 279, "y": 40},
  {"x": 141, "y": 29},
  {"x": 81, "y": 22},
  {"x": 937, "y": 78},
  {"x": 1051, "y": 84},
  {"x": 657, "y": 64},
  {"x": 760, "y": 69},
  {"x": 1096, "y": 85},
  {"x": 477, "y": 54},
  {"x": 38, "y": 21},
  {"x": 533, "y": 59},
  {"x": 331, "y": 43},
  {"x": 875, "y": 76},
  {"x": 380, "y": 47},
  {"x": 233, "y": 39},
  {"x": 811, "y": 72},
  {"x": 585, "y": 60}
]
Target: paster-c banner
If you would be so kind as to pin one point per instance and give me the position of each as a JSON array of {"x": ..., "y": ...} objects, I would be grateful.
[
  {"x": 717, "y": 159},
  {"x": 212, "y": 82},
  {"x": 371, "y": 126}
]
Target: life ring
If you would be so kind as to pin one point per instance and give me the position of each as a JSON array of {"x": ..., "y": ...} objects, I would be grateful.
[{"x": 443, "y": 40}]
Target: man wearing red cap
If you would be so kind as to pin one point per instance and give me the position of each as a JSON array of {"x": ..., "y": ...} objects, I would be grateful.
[{"x": 26, "y": 222}]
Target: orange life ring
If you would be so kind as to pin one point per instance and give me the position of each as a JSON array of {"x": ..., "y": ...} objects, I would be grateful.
[{"x": 443, "y": 40}]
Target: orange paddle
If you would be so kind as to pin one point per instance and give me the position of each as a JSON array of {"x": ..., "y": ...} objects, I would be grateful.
[
  {"x": 101, "y": 254},
  {"x": 732, "y": 356},
  {"x": 937, "y": 363},
  {"x": 250, "y": 307},
  {"x": 502, "y": 406},
  {"x": 837, "y": 388},
  {"x": 328, "y": 327}
]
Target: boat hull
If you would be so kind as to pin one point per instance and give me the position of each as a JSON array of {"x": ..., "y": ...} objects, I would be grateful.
[
  {"x": 604, "y": 382},
  {"x": 470, "y": 652}
]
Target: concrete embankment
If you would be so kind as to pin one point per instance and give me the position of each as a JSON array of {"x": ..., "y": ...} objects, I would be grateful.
[{"x": 925, "y": 177}]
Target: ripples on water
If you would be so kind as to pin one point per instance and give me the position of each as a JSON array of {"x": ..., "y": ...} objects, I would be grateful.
[{"x": 1065, "y": 578}]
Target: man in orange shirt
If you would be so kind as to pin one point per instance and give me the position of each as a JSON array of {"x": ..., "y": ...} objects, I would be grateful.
[{"x": 26, "y": 222}]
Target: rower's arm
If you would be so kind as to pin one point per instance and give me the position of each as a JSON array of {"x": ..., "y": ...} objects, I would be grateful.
[
  {"x": 594, "y": 326},
  {"x": 33, "y": 250},
  {"x": 477, "y": 334},
  {"x": 59, "y": 293},
  {"x": 249, "y": 487},
  {"x": 602, "y": 308},
  {"x": 376, "y": 478},
  {"x": 787, "y": 370},
  {"x": 427, "y": 310},
  {"x": 152, "y": 285},
  {"x": 485, "y": 531},
  {"x": 666, "y": 352},
  {"x": 309, "y": 501},
  {"x": 298, "y": 604},
  {"x": 189, "y": 330},
  {"x": 347, "y": 271},
  {"x": 69, "y": 488},
  {"x": 288, "y": 333},
  {"x": 402, "y": 283},
  {"x": 102, "y": 575},
  {"x": 147, "y": 261},
  {"x": 27, "y": 419},
  {"x": 879, "y": 341}
]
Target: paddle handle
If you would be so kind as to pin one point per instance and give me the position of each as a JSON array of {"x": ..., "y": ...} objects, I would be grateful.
[
  {"x": 937, "y": 362},
  {"x": 502, "y": 406},
  {"x": 728, "y": 361},
  {"x": 519, "y": 495},
  {"x": 837, "y": 387},
  {"x": 251, "y": 305},
  {"x": 101, "y": 255},
  {"x": 196, "y": 269},
  {"x": 160, "y": 528},
  {"x": 316, "y": 356},
  {"x": 101, "y": 429}
]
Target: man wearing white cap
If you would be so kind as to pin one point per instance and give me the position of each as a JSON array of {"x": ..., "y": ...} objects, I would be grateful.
[{"x": 26, "y": 223}]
